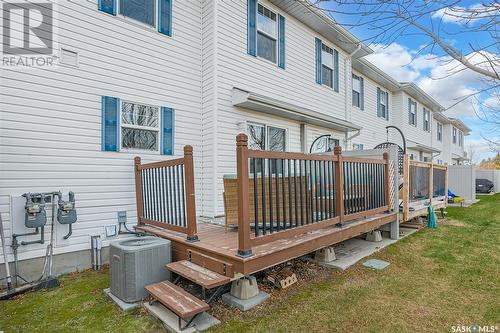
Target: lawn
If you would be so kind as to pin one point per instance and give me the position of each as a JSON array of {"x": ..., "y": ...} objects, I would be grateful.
[{"x": 437, "y": 279}]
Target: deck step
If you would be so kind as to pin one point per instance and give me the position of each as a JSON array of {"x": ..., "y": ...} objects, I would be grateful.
[
  {"x": 197, "y": 274},
  {"x": 176, "y": 299}
]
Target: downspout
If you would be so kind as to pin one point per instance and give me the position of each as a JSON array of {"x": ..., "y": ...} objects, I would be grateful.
[{"x": 347, "y": 104}]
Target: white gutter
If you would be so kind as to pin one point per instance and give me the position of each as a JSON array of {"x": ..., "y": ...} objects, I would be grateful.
[{"x": 347, "y": 103}]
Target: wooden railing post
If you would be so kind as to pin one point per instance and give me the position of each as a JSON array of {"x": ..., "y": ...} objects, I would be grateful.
[
  {"x": 339, "y": 184},
  {"x": 244, "y": 246},
  {"x": 190, "y": 195},
  {"x": 387, "y": 181},
  {"x": 138, "y": 189}
]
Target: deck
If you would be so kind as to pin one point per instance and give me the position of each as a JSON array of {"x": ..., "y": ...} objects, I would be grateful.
[{"x": 215, "y": 242}]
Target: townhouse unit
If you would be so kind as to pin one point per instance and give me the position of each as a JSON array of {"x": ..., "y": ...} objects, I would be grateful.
[{"x": 149, "y": 79}]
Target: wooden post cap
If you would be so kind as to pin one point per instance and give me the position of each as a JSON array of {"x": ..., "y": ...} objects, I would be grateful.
[
  {"x": 386, "y": 156},
  {"x": 188, "y": 150},
  {"x": 337, "y": 150},
  {"x": 241, "y": 139},
  {"x": 137, "y": 160}
]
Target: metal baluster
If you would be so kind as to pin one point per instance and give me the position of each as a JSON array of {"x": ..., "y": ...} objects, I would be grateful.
[
  {"x": 277, "y": 194},
  {"x": 269, "y": 168},
  {"x": 170, "y": 195},
  {"x": 162, "y": 195},
  {"x": 179, "y": 205},
  {"x": 306, "y": 177},
  {"x": 301, "y": 195},
  {"x": 165, "y": 184},
  {"x": 316, "y": 211},
  {"x": 144, "y": 194},
  {"x": 283, "y": 186},
  {"x": 263, "y": 185},
  {"x": 290, "y": 195},
  {"x": 255, "y": 197},
  {"x": 183, "y": 197},
  {"x": 295, "y": 193},
  {"x": 321, "y": 190}
]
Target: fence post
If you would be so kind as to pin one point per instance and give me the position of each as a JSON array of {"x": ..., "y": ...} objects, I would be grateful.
[
  {"x": 138, "y": 189},
  {"x": 387, "y": 182},
  {"x": 244, "y": 246},
  {"x": 339, "y": 184},
  {"x": 190, "y": 195}
]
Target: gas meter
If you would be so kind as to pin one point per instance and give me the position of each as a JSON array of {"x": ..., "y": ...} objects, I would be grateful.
[
  {"x": 66, "y": 212},
  {"x": 35, "y": 215}
]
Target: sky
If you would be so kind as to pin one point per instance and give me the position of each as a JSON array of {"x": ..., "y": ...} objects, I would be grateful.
[{"x": 404, "y": 59}]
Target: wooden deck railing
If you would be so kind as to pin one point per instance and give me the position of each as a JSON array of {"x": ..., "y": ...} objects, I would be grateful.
[
  {"x": 281, "y": 194},
  {"x": 165, "y": 194},
  {"x": 423, "y": 182}
]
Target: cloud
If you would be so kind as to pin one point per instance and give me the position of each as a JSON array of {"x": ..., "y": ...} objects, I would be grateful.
[
  {"x": 443, "y": 78},
  {"x": 466, "y": 15}
]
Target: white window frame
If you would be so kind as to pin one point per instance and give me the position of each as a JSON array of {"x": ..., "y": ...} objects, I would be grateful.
[
  {"x": 439, "y": 132},
  {"x": 386, "y": 110},
  {"x": 147, "y": 128},
  {"x": 275, "y": 38},
  {"x": 427, "y": 120},
  {"x": 332, "y": 68},
  {"x": 413, "y": 103},
  {"x": 358, "y": 78},
  {"x": 358, "y": 146},
  {"x": 133, "y": 20},
  {"x": 266, "y": 129}
]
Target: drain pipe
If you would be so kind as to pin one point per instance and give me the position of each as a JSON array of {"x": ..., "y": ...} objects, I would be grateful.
[
  {"x": 347, "y": 103},
  {"x": 96, "y": 246}
]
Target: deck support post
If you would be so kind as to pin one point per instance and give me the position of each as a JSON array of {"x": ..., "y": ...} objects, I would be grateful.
[
  {"x": 339, "y": 185},
  {"x": 325, "y": 255},
  {"x": 138, "y": 189},
  {"x": 190, "y": 195},
  {"x": 244, "y": 245}
]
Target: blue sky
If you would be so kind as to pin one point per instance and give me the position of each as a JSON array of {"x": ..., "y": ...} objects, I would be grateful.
[{"x": 401, "y": 58}]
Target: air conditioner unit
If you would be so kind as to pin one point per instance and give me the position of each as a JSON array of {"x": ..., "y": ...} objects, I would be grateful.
[{"x": 137, "y": 262}]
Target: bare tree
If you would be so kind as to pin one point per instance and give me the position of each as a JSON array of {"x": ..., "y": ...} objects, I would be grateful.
[{"x": 386, "y": 21}]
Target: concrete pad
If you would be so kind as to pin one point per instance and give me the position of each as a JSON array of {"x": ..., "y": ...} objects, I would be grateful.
[
  {"x": 202, "y": 322},
  {"x": 376, "y": 264},
  {"x": 353, "y": 250},
  {"x": 123, "y": 305},
  {"x": 245, "y": 304}
]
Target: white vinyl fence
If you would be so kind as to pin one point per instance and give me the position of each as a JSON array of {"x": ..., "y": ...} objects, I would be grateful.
[{"x": 462, "y": 181}]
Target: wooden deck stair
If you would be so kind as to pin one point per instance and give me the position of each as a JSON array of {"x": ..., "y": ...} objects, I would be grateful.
[
  {"x": 185, "y": 305},
  {"x": 197, "y": 274}
]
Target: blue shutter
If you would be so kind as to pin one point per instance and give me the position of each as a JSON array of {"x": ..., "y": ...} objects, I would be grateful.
[
  {"x": 318, "y": 61},
  {"x": 252, "y": 27},
  {"x": 379, "y": 113},
  {"x": 281, "y": 38},
  {"x": 336, "y": 70},
  {"x": 107, "y": 6},
  {"x": 165, "y": 17},
  {"x": 110, "y": 123},
  {"x": 167, "y": 131},
  {"x": 361, "y": 93},
  {"x": 409, "y": 111},
  {"x": 387, "y": 106}
]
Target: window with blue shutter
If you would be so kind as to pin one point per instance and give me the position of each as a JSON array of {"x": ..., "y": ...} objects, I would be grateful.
[
  {"x": 252, "y": 27},
  {"x": 382, "y": 104},
  {"x": 110, "y": 123},
  {"x": 281, "y": 38},
  {"x": 165, "y": 17},
  {"x": 412, "y": 112},
  {"x": 319, "y": 64},
  {"x": 167, "y": 135},
  {"x": 107, "y": 6}
]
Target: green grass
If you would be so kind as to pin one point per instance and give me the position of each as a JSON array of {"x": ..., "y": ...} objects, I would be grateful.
[{"x": 437, "y": 278}]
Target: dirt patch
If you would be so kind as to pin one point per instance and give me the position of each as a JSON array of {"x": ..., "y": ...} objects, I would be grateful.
[{"x": 455, "y": 223}]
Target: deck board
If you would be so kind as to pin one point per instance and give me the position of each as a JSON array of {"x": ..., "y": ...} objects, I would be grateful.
[{"x": 216, "y": 242}]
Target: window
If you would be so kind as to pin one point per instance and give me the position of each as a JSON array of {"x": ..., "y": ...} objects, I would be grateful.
[
  {"x": 439, "y": 132},
  {"x": 427, "y": 126},
  {"x": 412, "y": 157},
  {"x": 383, "y": 106},
  {"x": 140, "y": 10},
  {"x": 356, "y": 90},
  {"x": 327, "y": 65},
  {"x": 412, "y": 108},
  {"x": 324, "y": 145},
  {"x": 357, "y": 146},
  {"x": 454, "y": 135},
  {"x": 426, "y": 159},
  {"x": 460, "y": 139},
  {"x": 139, "y": 126},
  {"x": 267, "y": 34},
  {"x": 263, "y": 137},
  {"x": 440, "y": 161}
]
